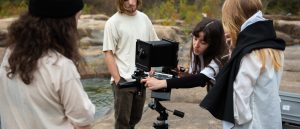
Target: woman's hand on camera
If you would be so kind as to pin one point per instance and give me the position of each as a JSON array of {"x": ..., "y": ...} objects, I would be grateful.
[
  {"x": 151, "y": 72},
  {"x": 153, "y": 83}
]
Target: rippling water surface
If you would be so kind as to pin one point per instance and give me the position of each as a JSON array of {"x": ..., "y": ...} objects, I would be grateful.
[{"x": 99, "y": 91}]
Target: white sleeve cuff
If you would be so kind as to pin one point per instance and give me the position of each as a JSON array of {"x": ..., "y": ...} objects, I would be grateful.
[{"x": 211, "y": 70}]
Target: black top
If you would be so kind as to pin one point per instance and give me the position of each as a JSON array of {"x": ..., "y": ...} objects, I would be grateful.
[
  {"x": 188, "y": 82},
  {"x": 219, "y": 100}
]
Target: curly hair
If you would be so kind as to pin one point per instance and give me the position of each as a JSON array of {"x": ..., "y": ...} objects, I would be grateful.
[{"x": 31, "y": 37}]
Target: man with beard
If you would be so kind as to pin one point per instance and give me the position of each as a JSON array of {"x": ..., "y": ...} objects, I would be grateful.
[{"x": 120, "y": 35}]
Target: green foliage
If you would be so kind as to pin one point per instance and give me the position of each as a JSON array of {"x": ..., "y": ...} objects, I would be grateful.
[
  {"x": 165, "y": 10},
  {"x": 212, "y": 8},
  {"x": 86, "y": 9},
  {"x": 172, "y": 10},
  {"x": 188, "y": 10},
  {"x": 12, "y": 7}
]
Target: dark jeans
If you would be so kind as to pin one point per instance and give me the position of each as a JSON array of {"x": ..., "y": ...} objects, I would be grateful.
[{"x": 128, "y": 106}]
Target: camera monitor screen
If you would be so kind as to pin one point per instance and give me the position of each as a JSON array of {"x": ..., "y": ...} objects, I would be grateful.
[{"x": 161, "y": 53}]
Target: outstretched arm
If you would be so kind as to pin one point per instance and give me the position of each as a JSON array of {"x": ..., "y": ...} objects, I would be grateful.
[
  {"x": 153, "y": 83},
  {"x": 185, "y": 82},
  {"x": 188, "y": 82}
]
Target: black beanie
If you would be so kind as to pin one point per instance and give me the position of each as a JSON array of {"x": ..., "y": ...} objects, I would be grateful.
[{"x": 54, "y": 8}]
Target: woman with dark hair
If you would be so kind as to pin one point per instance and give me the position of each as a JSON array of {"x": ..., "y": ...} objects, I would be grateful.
[
  {"x": 40, "y": 86},
  {"x": 216, "y": 50},
  {"x": 208, "y": 48}
]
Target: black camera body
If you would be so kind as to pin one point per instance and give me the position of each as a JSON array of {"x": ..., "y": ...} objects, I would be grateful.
[
  {"x": 161, "y": 53},
  {"x": 164, "y": 54}
]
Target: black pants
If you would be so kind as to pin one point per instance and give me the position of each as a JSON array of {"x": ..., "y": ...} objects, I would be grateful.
[{"x": 128, "y": 106}]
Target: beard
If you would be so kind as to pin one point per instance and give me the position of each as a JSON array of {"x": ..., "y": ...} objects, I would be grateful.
[{"x": 130, "y": 10}]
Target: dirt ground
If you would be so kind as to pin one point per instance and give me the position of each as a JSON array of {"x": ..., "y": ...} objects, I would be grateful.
[
  {"x": 187, "y": 101},
  {"x": 183, "y": 100}
]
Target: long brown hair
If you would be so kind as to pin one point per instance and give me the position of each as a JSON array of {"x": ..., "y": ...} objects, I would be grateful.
[
  {"x": 120, "y": 5},
  {"x": 215, "y": 37},
  {"x": 31, "y": 37}
]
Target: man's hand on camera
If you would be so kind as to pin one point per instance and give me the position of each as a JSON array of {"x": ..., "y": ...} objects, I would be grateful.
[{"x": 153, "y": 83}]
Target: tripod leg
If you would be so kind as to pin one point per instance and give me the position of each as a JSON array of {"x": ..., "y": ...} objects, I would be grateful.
[{"x": 160, "y": 125}]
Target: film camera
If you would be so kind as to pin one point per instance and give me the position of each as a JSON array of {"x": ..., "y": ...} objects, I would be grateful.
[
  {"x": 149, "y": 54},
  {"x": 158, "y": 54}
]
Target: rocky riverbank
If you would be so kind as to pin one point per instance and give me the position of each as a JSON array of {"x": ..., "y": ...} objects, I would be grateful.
[
  {"x": 91, "y": 39},
  {"x": 187, "y": 100}
]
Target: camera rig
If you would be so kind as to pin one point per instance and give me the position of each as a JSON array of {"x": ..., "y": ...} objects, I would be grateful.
[{"x": 162, "y": 53}]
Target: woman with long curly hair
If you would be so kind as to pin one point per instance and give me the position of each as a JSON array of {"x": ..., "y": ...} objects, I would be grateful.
[{"x": 39, "y": 83}]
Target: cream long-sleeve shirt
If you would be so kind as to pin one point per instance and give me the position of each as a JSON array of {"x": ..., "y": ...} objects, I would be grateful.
[{"x": 55, "y": 99}]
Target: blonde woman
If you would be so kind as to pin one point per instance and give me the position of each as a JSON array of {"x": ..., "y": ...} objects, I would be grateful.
[{"x": 246, "y": 93}]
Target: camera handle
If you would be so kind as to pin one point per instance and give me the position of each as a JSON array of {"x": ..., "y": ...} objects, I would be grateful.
[
  {"x": 161, "y": 122},
  {"x": 138, "y": 75}
]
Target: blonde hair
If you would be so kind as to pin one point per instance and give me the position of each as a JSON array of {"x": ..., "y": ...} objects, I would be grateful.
[
  {"x": 120, "y": 5},
  {"x": 274, "y": 54},
  {"x": 234, "y": 14}
]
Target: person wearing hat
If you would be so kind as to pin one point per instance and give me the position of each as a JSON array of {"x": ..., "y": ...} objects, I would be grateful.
[
  {"x": 120, "y": 35},
  {"x": 40, "y": 86}
]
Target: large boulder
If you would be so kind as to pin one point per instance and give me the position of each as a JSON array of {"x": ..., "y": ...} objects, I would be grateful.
[
  {"x": 4, "y": 23},
  {"x": 91, "y": 40},
  {"x": 290, "y": 28},
  {"x": 3, "y": 34},
  {"x": 290, "y": 79},
  {"x": 170, "y": 32},
  {"x": 282, "y": 17},
  {"x": 287, "y": 38},
  {"x": 90, "y": 29}
]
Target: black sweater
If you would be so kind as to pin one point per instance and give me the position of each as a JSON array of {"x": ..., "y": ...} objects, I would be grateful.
[{"x": 188, "y": 82}]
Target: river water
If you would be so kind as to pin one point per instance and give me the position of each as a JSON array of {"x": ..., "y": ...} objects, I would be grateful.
[{"x": 100, "y": 93}]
